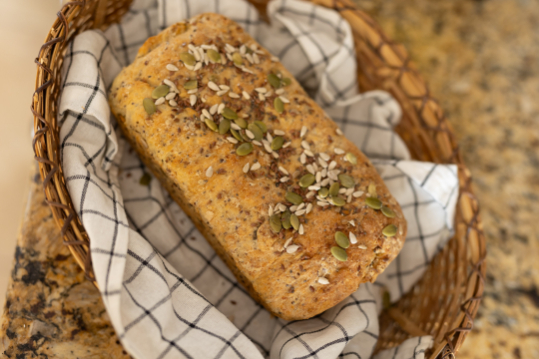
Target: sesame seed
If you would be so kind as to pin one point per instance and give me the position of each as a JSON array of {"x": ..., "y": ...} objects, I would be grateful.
[
  {"x": 288, "y": 241},
  {"x": 255, "y": 142},
  {"x": 284, "y": 99},
  {"x": 221, "y": 93},
  {"x": 213, "y": 109},
  {"x": 279, "y": 132},
  {"x": 171, "y": 67},
  {"x": 232, "y": 140},
  {"x": 292, "y": 248},
  {"x": 323, "y": 280},
  {"x": 339, "y": 131},
  {"x": 198, "y": 66},
  {"x": 284, "y": 179},
  {"x": 303, "y": 131},
  {"x": 246, "y": 95},
  {"x": 255, "y": 166},
  {"x": 338, "y": 151},
  {"x": 173, "y": 103},
  {"x": 274, "y": 59},
  {"x": 300, "y": 212},
  {"x": 209, "y": 172},
  {"x": 220, "y": 108},
  {"x": 192, "y": 100},
  {"x": 246, "y": 168},
  {"x": 305, "y": 145},
  {"x": 160, "y": 101},
  {"x": 213, "y": 86},
  {"x": 283, "y": 170},
  {"x": 308, "y": 153},
  {"x": 250, "y": 134},
  {"x": 279, "y": 91},
  {"x": 362, "y": 246},
  {"x": 332, "y": 165},
  {"x": 170, "y": 96},
  {"x": 309, "y": 207},
  {"x": 301, "y": 229},
  {"x": 233, "y": 95},
  {"x": 303, "y": 158},
  {"x": 235, "y": 127}
]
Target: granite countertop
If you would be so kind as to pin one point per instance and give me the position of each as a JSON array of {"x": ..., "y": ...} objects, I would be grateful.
[{"x": 481, "y": 61}]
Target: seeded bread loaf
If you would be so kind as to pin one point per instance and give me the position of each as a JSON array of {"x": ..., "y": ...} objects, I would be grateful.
[{"x": 295, "y": 210}]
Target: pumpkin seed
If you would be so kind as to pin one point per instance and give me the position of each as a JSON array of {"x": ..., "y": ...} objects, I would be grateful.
[
  {"x": 342, "y": 240},
  {"x": 294, "y": 221},
  {"x": 256, "y": 131},
  {"x": 307, "y": 180},
  {"x": 149, "y": 106},
  {"x": 293, "y": 198},
  {"x": 224, "y": 126},
  {"x": 339, "y": 253},
  {"x": 191, "y": 85},
  {"x": 278, "y": 104},
  {"x": 386, "y": 300},
  {"x": 236, "y": 135},
  {"x": 274, "y": 80},
  {"x": 240, "y": 122},
  {"x": 324, "y": 192},
  {"x": 373, "y": 202},
  {"x": 350, "y": 157},
  {"x": 262, "y": 126},
  {"x": 244, "y": 136},
  {"x": 213, "y": 55},
  {"x": 160, "y": 91},
  {"x": 346, "y": 180},
  {"x": 388, "y": 212},
  {"x": 275, "y": 223},
  {"x": 244, "y": 149},
  {"x": 285, "y": 220},
  {"x": 390, "y": 230},
  {"x": 338, "y": 201},
  {"x": 277, "y": 143},
  {"x": 286, "y": 81},
  {"x": 229, "y": 114},
  {"x": 145, "y": 179},
  {"x": 212, "y": 125},
  {"x": 236, "y": 58},
  {"x": 188, "y": 59},
  {"x": 334, "y": 189}
]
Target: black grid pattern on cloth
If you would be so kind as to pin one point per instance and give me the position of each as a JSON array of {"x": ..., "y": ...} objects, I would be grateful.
[{"x": 167, "y": 292}]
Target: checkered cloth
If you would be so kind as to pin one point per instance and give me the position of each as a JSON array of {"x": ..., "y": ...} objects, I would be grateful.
[{"x": 166, "y": 291}]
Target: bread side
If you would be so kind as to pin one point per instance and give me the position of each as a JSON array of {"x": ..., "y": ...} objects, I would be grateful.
[{"x": 236, "y": 199}]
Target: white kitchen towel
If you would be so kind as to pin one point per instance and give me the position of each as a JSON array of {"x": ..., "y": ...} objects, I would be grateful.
[{"x": 167, "y": 293}]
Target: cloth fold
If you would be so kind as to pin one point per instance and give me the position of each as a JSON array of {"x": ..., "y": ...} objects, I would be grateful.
[{"x": 166, "y": 291}]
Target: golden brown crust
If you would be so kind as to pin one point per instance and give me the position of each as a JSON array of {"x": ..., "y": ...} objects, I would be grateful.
[{"x": 230, "y": 207}]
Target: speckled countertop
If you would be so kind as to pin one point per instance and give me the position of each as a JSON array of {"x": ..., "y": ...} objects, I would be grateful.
[{"x": 481, "y": 59}]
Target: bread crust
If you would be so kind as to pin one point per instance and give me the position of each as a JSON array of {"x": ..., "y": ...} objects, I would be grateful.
[{"x": 230, "y": 207}]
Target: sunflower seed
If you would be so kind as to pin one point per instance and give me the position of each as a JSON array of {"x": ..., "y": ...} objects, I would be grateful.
[
  {"x": 235, "y": 127},
  {"x": 170, "y": 96},
  {"x": 300, "y": 212},
  {"x": 284, "y": 99},
  {"x": 288, "y": 241},
  {"x": 246, "y": 95},
  {"x": 338, "y": 151},
  {"x": 309, "y": 206},
  {"x": 287, "y": 144},
  {"x": 160, "y": 101},
  {"x": 292, "y": 248},
  {"x": 255, "y": 142},
  {"x": 193, "y": 91},
  {"x": 284, "y": 179},
  {"x": 362, "y": 246},
  {"x": 308, "y": 153},
  {"x": 173, "y": 103},
  {"x": 233, "y": 95},
  {"x": 255, "y": 166},
  {"x": 301, "y": 229},
  {"x": 283, "y": 170},
  {"x": 274, "y": 59},
  {"x": 246, "y": 168},
  {"x": 192, "y": 100},
  {"x": 322, "y": 204},
  {"x": 270, "y": 211},
  {"x": 323, "y": 280},
  {"x": 282, "y": 207},
  {"x": 256, "y": 59},
  {"x": 221, "y": 108},
  {"x": 339, "y": 253},
  {"x": 261, "y": 97},
  {"x": 209, "y": 172},
  {"x": 352, "y": 223},
  {"x": 171, "y": 67},
  {"x": 221, "y": 93},
  {"x": 231, "y": 140},
  {"x": 338, "y": 131},
  {"x": 171, "y": 85},
  {"x": 353, "y": 238},
  {"x": 213, "y": 86}
]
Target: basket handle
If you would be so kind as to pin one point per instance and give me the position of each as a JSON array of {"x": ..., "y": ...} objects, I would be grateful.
[{"x": 100, "y": 12}]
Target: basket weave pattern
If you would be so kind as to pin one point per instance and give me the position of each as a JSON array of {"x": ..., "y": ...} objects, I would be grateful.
[{"x": 443, "y": 303}]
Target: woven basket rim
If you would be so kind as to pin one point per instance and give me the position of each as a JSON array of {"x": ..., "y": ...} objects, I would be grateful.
[{"x": 428, "y": 127}]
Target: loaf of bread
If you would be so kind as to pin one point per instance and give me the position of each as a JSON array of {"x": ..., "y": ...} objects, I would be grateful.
[{"x": 294, "y": 209}]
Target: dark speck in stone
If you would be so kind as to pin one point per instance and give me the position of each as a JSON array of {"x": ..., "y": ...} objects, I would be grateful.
[
  {"x": 35, "y": 273},
  {"x": 531, "y": 293}
]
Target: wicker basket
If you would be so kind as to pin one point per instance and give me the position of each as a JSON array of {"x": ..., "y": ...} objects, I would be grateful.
[{"x": 445, "y": 301}]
